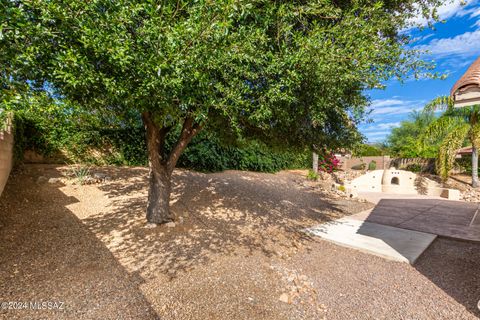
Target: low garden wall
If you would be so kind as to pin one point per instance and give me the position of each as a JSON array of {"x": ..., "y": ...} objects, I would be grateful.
[
  {"x": 6, "y": 152},
  {"x": 348, "y": 163}
]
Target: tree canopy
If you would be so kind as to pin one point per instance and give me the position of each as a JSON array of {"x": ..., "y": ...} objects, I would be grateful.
[
  {"x": 291, "y": 73},
  {"x": 407, "y": 140}
]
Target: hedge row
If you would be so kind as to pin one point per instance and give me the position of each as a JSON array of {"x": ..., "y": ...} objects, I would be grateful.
[{"x": 62, "y": 138}]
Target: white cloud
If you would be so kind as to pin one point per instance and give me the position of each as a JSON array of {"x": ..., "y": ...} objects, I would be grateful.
[
  {"x": 378, "y": 133},
  {"x": 463, "y": 45},
  {"x": 389, "y": 125},
  {"x": 386, "y": 102},
  {"x": 453, "y": 8},
  {"x": 395, "y": 106},
  {"x": 382, "y": 126}
]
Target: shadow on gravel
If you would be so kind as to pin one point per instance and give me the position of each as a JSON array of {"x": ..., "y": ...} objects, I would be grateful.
[
  {"x": 454, "y": 267},
  {"x": 221, "y": 212},
  {"x": 47, "y": 254}
]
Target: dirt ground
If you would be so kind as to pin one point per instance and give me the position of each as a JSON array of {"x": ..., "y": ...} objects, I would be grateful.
[{"x": 239, "y": 252}]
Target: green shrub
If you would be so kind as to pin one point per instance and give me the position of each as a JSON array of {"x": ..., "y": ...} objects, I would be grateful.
[
  {"x": 372, "y": 165},
  {"x": 414, "y": 167},
  {"x": 464, "y": 164},
  {"x": 312, "y": 175},
  {"x": 60, "y": 137},
  {"x": 360, "y": 166}
]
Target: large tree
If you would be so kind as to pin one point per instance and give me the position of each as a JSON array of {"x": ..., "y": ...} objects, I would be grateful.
[
  {"x": 292, "y": 73},
  {"x": 407, "y": 140}
]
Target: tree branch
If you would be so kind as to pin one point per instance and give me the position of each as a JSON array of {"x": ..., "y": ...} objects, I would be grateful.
[{"x": 189, "y": 130}]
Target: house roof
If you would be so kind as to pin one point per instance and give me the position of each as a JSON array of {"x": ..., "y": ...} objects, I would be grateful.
[{"x": 471, "y": 77}]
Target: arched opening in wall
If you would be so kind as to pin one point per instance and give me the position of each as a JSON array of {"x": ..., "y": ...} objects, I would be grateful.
[{"x": 395, "y": 181}]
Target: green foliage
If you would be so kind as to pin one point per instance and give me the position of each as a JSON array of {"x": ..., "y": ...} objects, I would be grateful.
[
  {"x": 414, "y": 167},
  {"x": 80, "y": 173},
  {"x": 287, "y": 73},
  {"x": 455, "y": 126},
  {"x": 406, "y": 141},
  {"x": 369, "y": 150},
  {"x": 372, "y": 165},
  {"x": 360, "y": 166},
  {"x": 342, "y": 188},
  {"x": 312, "y": 175},
  {"x": 207, "y": 153},
  {"x": 68, "y": 133},
  {"x": 464, "y": 163}
]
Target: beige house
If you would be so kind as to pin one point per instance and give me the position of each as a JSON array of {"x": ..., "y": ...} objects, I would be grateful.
[{"x": 466, "y": 91}]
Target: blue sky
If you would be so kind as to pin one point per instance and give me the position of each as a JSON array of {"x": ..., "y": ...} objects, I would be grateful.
[{"x": 453, "y": 45}]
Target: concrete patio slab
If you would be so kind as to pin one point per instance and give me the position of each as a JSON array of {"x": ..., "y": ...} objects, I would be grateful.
[
  {"x": 381, "y": 240},
  {"x": 452, "y": 219}
]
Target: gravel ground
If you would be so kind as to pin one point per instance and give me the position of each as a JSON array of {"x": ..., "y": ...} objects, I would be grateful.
[{"x": 238, "y": 253}]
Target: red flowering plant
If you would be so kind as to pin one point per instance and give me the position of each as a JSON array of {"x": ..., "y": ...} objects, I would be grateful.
[{"x": 327, "y": 162}]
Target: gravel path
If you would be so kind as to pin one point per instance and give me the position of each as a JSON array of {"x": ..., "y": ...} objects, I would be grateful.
[{"x": 239, "y": 253}]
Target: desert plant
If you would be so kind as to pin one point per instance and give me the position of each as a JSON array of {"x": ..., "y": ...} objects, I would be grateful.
[
  {"x": 312, "y": 175},
  {"x": 372, "y": 165},
  {"x": 342, "y": 188},
  {"x": 80, "y": 174}
]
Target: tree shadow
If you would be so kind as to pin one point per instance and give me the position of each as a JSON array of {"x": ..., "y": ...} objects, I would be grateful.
[
  {"x": 452, "y": 261},
  {"x": 223, "y": 213},
  {"x": 47, "y": 254}
]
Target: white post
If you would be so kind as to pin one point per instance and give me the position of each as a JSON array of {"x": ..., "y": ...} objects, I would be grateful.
[{"x": 315, "y": 162}]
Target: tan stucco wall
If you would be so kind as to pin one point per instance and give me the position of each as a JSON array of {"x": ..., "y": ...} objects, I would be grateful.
[{"x": 6, "y": 156}]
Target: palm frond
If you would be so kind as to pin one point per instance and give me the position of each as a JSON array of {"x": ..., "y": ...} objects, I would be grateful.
[
  {"x": 439, "y": 103},
  {"x": 448, "y": 149},
  {"x": 439, "y": 128}
]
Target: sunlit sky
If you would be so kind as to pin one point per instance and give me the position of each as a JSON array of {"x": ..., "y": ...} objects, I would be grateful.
[{"x": 453, "y": 45}]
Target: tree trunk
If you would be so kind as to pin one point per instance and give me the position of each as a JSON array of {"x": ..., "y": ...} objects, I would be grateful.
[
  {"x": 158, "y": 208},
  {"x": 162, "y": 166},
  {"x": 474, "y": 167}
]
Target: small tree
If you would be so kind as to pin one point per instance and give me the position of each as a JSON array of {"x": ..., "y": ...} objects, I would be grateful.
[
  {"x": 289, "y": 73},
  {"x": 455, "y": 125}
]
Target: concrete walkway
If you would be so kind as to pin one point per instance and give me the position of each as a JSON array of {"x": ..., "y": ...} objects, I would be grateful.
[{"x": 384, "y": 241}]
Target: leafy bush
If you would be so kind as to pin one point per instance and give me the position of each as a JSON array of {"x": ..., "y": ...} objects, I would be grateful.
[
  {"x": 327, "y": 162},
  {"x": 464, "y": 164},
  {"x": 360, "y": 166},
  {"x": 372, "y": 165},
  {"x": 80, "y": 137},
  {"x": 312, "y": 175},
  {"x": 414, "y": 167}
]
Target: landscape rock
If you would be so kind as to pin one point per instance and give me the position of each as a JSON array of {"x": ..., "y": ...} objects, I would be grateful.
[
  {"x": 54, "y": 180},
  {"x": 42, "y": 179},
  {"x": 170, "y": 224},
  {"x": 284, "y": 297},
  {"x": 99, "y": 176}
]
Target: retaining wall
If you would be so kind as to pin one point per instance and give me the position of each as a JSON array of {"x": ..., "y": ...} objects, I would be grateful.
[{"x": 6, "y": 154}]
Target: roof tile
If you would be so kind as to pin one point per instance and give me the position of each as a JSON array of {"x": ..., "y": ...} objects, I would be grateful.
[{"x": 471, "y": 77}]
